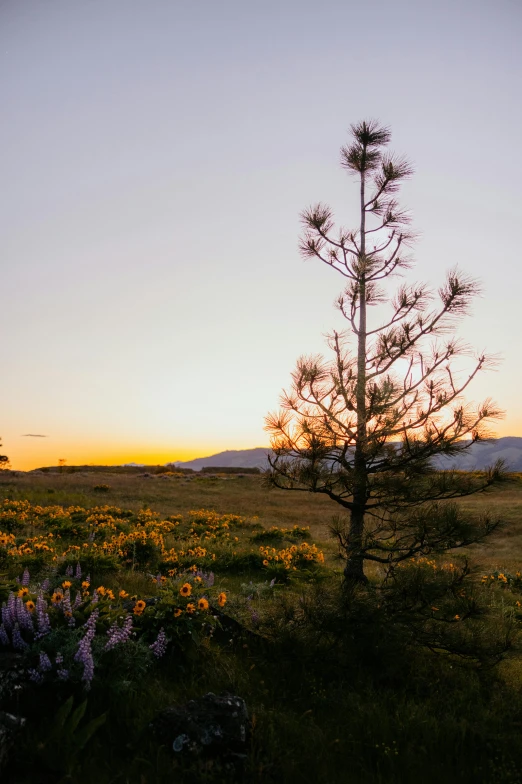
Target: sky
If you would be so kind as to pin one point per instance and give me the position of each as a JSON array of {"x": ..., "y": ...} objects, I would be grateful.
[{"x": 155, "y": 158}]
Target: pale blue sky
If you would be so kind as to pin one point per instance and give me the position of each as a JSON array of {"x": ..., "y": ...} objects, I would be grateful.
[{"x": 155, "y": 158}]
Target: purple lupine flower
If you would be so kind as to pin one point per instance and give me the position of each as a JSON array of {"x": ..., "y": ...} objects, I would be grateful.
[
  {"x": 7, "y": 620},
  {"x": 78, "y": 572},
  {"x": 95, "y": 597},
  {"x": 84, "y": 653},
  {"x": 25, "y": 578},
  {"x": 210, "y": 579},
  {"x": 46, "y": 585},
  {"x": 69, "y": 571},
  {"x": 45, "y": 662},
  {"x": 62, "y": 674},
  {"x": 67, "y": 609},
  {"x": 254, "y": 615},
  {"x": 159, "y": 647},
  {"x": 88, "y": 578},
  {"x": 42, "y": 618},
  {"x": 59, "y": 658},
  {"x": 23, "y": 616},
  {"x": 272, "y": 582},
  {"x": 35, "y": 676},
  {"x": 19, "y": 644},
  {"x": 4, "y": 637},
  {"x": 78, "y": 600},
  {"x": 17, "y": 580},
  {"x": 118, "y": 635}
]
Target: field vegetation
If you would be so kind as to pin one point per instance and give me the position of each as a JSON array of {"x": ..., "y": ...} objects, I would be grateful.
[{"x": 129, "y": 592}]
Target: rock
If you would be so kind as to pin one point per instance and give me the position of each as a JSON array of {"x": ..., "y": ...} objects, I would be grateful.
[{"x": 213, "y": 725}]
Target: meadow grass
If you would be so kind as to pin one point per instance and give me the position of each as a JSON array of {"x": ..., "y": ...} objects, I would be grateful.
[{"x": 355, "y": 706}]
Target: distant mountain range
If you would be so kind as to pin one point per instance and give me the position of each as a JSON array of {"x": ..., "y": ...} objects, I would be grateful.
[{"x": 479, "y": 455}]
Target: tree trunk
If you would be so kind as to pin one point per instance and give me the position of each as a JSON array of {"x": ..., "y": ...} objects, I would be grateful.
[{"x": 354, "y": 570}]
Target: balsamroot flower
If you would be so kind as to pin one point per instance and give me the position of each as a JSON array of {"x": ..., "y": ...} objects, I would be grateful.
[
  {"x": 191, "y": 608},
  {"x": 222, "y": 599},
  {"x": 177, "y": 613},
  {"x": 202, "y": 604},
  {"x": 31, "y": 606},
  {"x": 186, "y": 589},
  {"x": 139, "y": 607}
]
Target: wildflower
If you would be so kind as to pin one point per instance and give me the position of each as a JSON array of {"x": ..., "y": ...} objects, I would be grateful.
[
  {"x": 42, "y": 618},
  {"x": 23, "y": 592},
  {"x": 85, "y": 585},
  {"x": 4, "y": 637},
  {"x": 30, "y": 606},
  {"x": 19, "y": 643},
  {"x": 118, "y": 635},
  {"x": 457, "y": 618},
  {"x": 139, "y": 607},
  {"x": 110, "y": 594},
  {"x": 56, "y": 597},
  {"x": 202, "y": 604},
  {"x": 222, "y": 599},
  {"x": 69, "y": 571},
  {"x": 101, "y": 590},
  {"x": 123, "y": 594},
  {"x": 265, "y": 562},
  {"x": 66, "y": 584},
  {"x": 84, "y": 653},
  {"x": 191, "y": 608},
  {"x": 185, "y": 589},
  {"x": 25, "y": 578},
  {"x": 78, "y": 572},
  {"x": 45, "y": 663},
  {"x": 160, "y": 646},
  {"x": 435, "y": 609},
  {"x": 177, "y": 612}
]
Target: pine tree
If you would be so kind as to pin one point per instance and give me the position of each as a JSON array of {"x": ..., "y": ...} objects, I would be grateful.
[{"x": 365, "y": 426}]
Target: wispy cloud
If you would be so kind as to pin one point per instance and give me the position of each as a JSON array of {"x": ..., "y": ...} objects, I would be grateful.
[{"x": 34, "y": 435}]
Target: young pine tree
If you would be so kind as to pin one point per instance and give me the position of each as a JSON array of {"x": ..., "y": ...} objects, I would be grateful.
[{"x": 364, "y": 428}]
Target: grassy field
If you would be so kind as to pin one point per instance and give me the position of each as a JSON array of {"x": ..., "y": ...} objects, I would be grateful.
[{"x": 338, "y": 690}]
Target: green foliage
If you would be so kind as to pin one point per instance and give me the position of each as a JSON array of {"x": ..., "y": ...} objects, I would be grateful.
[{"x": 60, "y": 745}]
